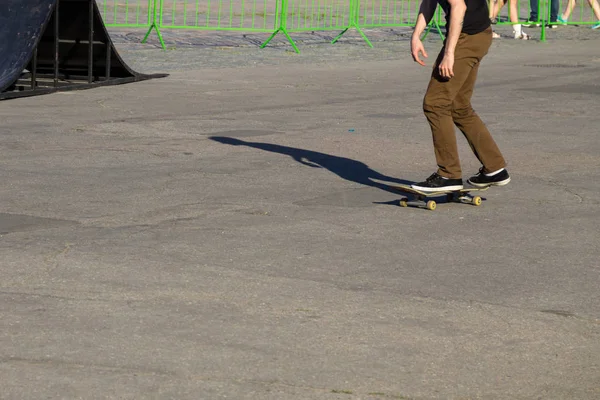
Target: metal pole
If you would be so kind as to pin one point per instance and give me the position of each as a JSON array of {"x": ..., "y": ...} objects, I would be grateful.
[
  {"x": 108, "y": 53},
  {"x": 34, "y": 69},
  {"x": 56, "y": 42},
  {"x": 91, "y": 42}
]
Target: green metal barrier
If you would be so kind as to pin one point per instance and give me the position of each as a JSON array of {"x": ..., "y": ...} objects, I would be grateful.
[
  {"x": 313, "y": 15},
  {"x": 289, "y": 16},
  {"x": 393, "y": 13},
  {"x": 523, "y": 14},
  {"x": 343, "y": 15},
  {"x": 317, "y": 15},
  {"x": 126, "y": 13},
  {"x": 523, "y": 11},
  {"x": 227, "y": 15},
  {"x": 232, "y": 15},
  {"x": 131, "y": 14},
  {"x": 387, "y": 13},
  {"x": 579, "y": 13}
]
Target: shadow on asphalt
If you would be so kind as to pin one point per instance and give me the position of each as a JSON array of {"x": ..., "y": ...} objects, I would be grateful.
[{"x": 346, "y": 168}]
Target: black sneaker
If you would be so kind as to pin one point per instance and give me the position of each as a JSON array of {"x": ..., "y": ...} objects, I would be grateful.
[
  {"x": 553, "y": 25},
  {"x": 437, "y": 183},
  {"x": 482, "y": 180}
]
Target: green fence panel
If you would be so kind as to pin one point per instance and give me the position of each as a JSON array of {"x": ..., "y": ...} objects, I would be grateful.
[
  {"x": 317, "y": 15},
  {"x": 505, "y": 17},
  {"x": 387, "y": 13},
  {"x": 126, "y": 13},
  {"x": 286, "y": 16},
  {"x": 131, "y": 14},
  {"x": 582, "y": 13},
  {"x": 273, "y": 16},
  {"x": 240, "y": 15},
  {"x": 523, "y": 11},
  {"x": 392, "y": 13}
]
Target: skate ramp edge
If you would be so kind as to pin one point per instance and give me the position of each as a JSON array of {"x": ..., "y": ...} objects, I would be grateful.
[{"x": 57, "y": 45}]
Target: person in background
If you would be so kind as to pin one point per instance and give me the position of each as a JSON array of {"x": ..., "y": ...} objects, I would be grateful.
[
  {"x": 495, "y": 8},
  {"x": 563, "y": 19},
  {"x": 534, "y": 19},
  {"x": 493, "y": 20}
]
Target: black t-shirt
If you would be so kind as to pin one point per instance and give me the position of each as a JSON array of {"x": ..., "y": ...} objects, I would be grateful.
[{"x": 477, "y": 16}]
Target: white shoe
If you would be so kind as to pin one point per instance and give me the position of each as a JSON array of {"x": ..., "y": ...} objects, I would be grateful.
[
  {"x": 522, "y": 36},
  {"x": 495, "y": 36}
]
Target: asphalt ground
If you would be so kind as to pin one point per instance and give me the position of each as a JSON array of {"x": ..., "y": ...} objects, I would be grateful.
[{"x": 224, "y": 232}]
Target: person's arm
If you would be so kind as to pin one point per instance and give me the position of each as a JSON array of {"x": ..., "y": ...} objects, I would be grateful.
[
  {"x": 457, "y": 17},
  {"x": 426, "y": 11}
]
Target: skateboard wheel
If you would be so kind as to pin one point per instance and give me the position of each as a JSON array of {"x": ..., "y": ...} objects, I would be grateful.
[
  {"x": 431, "y": 205},
  {"x": 403, "y": 203},
  {"x": 476, "y": 201}
]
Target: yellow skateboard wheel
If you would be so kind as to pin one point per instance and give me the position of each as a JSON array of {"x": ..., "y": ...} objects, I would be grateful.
[
  {"x": 431, "y": 205},
  {"x": 403, "y": 203},
  {"x": 476, "y": 201}
]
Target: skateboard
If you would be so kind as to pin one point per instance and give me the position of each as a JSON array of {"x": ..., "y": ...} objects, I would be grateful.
[{"x": 456, "y": 196}]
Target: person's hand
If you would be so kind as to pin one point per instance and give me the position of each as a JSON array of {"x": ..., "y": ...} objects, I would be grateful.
[
  {"x": 446, "y": 67},
  {"x": 417, "y": 48}
]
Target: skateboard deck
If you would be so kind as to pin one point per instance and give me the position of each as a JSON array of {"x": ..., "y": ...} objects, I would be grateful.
[{"x": 456, "y": 196}]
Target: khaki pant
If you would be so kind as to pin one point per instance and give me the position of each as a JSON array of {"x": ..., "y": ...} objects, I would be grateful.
[{"x": 448, "y": 103}]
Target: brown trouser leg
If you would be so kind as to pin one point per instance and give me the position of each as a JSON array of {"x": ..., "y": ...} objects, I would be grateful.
[{"x": 448, "y": 102}]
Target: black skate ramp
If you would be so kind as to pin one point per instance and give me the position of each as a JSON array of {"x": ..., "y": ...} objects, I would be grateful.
[{"x": 55, "y": 45}]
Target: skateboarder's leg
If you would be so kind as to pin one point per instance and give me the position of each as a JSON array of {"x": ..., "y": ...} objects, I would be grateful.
[
  {"x": 438, "y": 106},
  {"x": 477, "y": 134}
]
